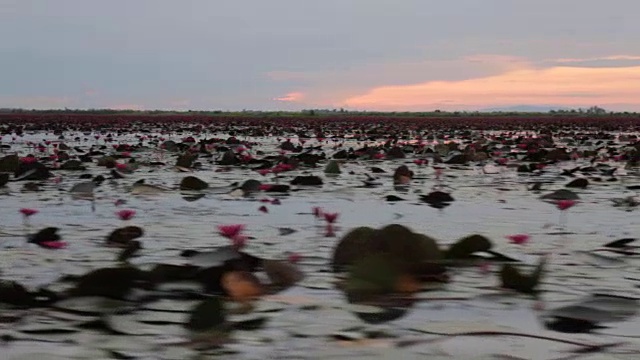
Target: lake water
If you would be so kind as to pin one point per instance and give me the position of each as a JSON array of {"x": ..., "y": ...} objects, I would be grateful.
[{"x": 313, "y": 320}]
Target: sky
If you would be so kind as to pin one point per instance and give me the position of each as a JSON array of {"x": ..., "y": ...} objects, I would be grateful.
[{"x": 385, "y": 55}]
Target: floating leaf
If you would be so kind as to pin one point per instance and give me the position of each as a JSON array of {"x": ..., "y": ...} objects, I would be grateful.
[
  {"x": 9, "y": 163},
  {"x": 114, "y": 282},
  {"x": 332, "y": 168},
  {"x": 83, "y": 189},
  {"x": 411, "y": 250},
  {"x": 620, "y": 243},
  {"x": 465, "y": 247},
  {"x": 122, "y": 236},
  {"x": 92, "y": 305},
  {"x": 351, "y": 247},
  {"x": 562, "y": 194},
  {"x": 193, "y": 183},
  {"x": 375, "y": 274},
  {"x": 186, "y": 160},
  {"x": 282, "y": 274},
  {"x": 513, "y": 279},
  {"x": 208, "y": 315}
]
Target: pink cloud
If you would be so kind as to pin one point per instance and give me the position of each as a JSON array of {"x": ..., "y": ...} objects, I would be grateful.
[
  {"x": 566, "y": 86},
  {"x": 602, "y": 58},
  {"x": 291, "y": 97}
]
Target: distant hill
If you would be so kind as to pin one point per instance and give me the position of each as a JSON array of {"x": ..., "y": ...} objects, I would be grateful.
[{"x": 525, "y": 108}]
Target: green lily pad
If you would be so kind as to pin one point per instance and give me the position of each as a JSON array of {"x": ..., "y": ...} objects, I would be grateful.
[
  {"x": 513, "y": 279},
  {"x": 332, "y": 168},
  {"x": 466, "y": 246},
  {"x": 207, "y": 315},
  {"x": 375, "y": 274},
  {"x": 281, "y": 273},
  {"x": 351, "y": 247},
  {"x": 92, "y": 305}
]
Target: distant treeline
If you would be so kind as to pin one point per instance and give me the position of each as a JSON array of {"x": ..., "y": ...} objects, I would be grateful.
[{"x": 594, "y": 110}]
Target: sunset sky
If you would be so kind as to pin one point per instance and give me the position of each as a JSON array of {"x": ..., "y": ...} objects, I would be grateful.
[{"x": 416, "y": 55}]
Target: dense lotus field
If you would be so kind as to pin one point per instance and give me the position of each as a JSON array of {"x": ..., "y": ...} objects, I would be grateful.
[{"x": 187, "y": 236}]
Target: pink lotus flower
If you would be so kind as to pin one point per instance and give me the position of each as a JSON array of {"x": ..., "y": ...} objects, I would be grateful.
[
  {"x": 502, "y": 161},
  {"x": 329, "y": 231},
  {"x": 53, "y": 244},
  {"x": 378, "y": 156},
  {"x": 484, "y": 267},
  {"x": 519, "y": 239},
  {"x": 420, "y": 162},
  {"x": 439, "y": 172},
  {"x": 121, "y": 166},
  {"x": 234, "y": 233},
  {"x": 294, "y": 258},
  {"x": 263, "y": 209},
  {"x": 28, "y": 212},
  {"x": 126, "y": 214},
  {"x": 265, "y": 187},
  {"x": 330, "y": 217},
  {"x": 230, "y": 231},
  {"x": 265, "y": 200},
  {"x": 28, "y": 160},
  {"x": 565, "y": 204},
  {"x": 264, "y": 172},
  {"x": 282, "y": 168}
]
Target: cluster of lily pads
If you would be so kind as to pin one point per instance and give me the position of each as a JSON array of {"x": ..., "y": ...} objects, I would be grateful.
[{"x": 216, "y": 292}]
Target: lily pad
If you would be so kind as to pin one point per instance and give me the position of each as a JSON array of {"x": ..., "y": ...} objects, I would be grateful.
[
  {"x": 332, "y": 168},
  {"x": 281, "y": 273},
  {"x": 464, "y": 248},
  {"x": 351, "y": 247},
  {"x": 207, "y": 315},
  {"x": 193, "y": 183},
  {"x": 513, "y": 279},
  {"x": 92, "y": 305},
  {"x": 375, "y": 274}
]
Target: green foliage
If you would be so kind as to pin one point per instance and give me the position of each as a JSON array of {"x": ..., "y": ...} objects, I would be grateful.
[
  {"x": 332, "y": 168},
  {"x": 466, "y": 246},
  {"x": 207, "y": 315},
  {"x": 513, "y": 279},
  {"x": 375, "y": 274}
]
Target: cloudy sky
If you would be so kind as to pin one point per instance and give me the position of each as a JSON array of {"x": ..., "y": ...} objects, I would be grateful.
[{"x": 298, "y": 54}]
